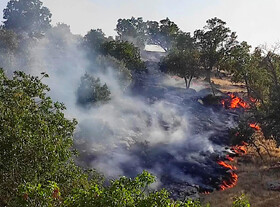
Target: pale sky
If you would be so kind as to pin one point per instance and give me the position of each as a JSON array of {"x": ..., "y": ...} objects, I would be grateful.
[{"x": 255, "y": 21}]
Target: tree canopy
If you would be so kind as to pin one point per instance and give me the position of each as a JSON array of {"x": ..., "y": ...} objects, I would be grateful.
[
  {"x": 212, "y": 42},
  {"x": 29, "y": 16},
  {"x": 94, "y": 40},
  {"x": 125, "y": 52},
  {"x": 139, "y": 32},
  {"x": 184, "y": 64}
]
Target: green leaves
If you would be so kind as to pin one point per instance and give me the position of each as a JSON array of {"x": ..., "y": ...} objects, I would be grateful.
[
  {"x": 126, "y": 52},
  {"x": 91, "y": 91},
  {"x": 183, "y": 63},
  {"x": 27, "y": 16},
  {"x": 35, "y": 138},
  {"x": 241, "y": 201},
  {"x": 126, "y": 192}
]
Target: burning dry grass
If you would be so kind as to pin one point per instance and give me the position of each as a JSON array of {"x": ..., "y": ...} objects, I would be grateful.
[{"x": 260, "y": 166}]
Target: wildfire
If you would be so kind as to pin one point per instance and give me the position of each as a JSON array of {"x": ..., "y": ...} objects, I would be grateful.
[
  {"x": 226, "y": 184},
  {"x": 225, "y": 165},
  {"x": 255, "y": 126},
  {"x": 239, "y": 149},
  {"x": 234, "y": 102},
  {"x": 230, "y": 183},
  {"x": 229, "y": 158}
]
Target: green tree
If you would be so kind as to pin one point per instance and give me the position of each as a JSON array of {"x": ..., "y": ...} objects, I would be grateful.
[
  {"x": 132, "y": 30},
  {"x": 162, "y": 33},
  {"x": 184, "y": 41},
  {"x": 29, "y": 16},
  {"x": 184, "y": 64},
  {"x": 91, "y": 91},
  {"x": 137, "y": 31},
  {"x": 94, "y": 40},
  {"x": 237, "y": 62},
  {"x": 35, "y": 137},
  {"x": 167, "y": 34},
  {"x": 126, "y": 52},
  {"x": 212, "y": 42}
]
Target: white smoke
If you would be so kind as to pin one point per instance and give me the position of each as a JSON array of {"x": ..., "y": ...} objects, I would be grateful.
[{"x": 107, "y": 135}]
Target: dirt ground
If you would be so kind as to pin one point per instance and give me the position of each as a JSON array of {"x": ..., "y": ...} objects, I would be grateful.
[{"x": 225, "y": 85}]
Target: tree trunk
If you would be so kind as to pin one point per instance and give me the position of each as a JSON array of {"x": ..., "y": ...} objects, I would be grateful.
[
  {"x": 186, "y": 82},
  {"x": 247, "y": 86},
  {"x": 190, "y": 80},
  {"x": 208, "y": 79},
  {"x": 208, "y": 75}
]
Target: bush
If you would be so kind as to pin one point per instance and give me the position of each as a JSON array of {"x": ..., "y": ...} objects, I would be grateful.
[
  {"x": 241, "y": 201},
  {"x": 35, "y": 137},
  {"x": 91, "y": 91}
]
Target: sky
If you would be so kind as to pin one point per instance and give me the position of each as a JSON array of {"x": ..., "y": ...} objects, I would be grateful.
[{"x": 255, "y": 21}]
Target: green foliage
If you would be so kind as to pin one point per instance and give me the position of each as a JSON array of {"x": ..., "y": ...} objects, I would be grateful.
[
  {"x": 28, "y": 16},
  {"x": 126, "y": 52},
  {"x": 35, "y": 137},
  {"x": 184, "y": 64},
  {"x": 121, "y": 192},
  {"x": 94, "y": 40},
  {"x": 137, "y": 31},
  {"x": 213, "y": 41},
  {"x": 38, "y": 195},
  {"x": 132, "y": 30},
  {"x": 167, "y": 33},
  {"x": 184, "y": 41},
  {"x": 91, "y": 91},
  {"x": 241, "y": 201},
  {"x": 260, "y": 71},
  {"x": 237, "y": 62}
]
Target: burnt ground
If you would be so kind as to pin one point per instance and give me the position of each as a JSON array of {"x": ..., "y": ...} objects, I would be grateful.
[{"x": 252, "y": 181}]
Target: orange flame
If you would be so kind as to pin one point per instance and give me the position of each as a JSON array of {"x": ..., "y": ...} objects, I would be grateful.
[
  {"x": 231, "y": 182},
  {"x": 222, "y": 163},
  {"x": 239, "y": 149},
  {"x": 235, "y": 102},
  {"x": 255, "y": 126},
  {"x": 229, "y": 158}
]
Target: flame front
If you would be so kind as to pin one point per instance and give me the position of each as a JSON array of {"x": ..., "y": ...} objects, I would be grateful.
[
  {"x": 239, "y": 149},
  {"x": 232, "y": 103},
  {"x": 229, "y": 183},
  {"x": 225, "y": 165}
]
